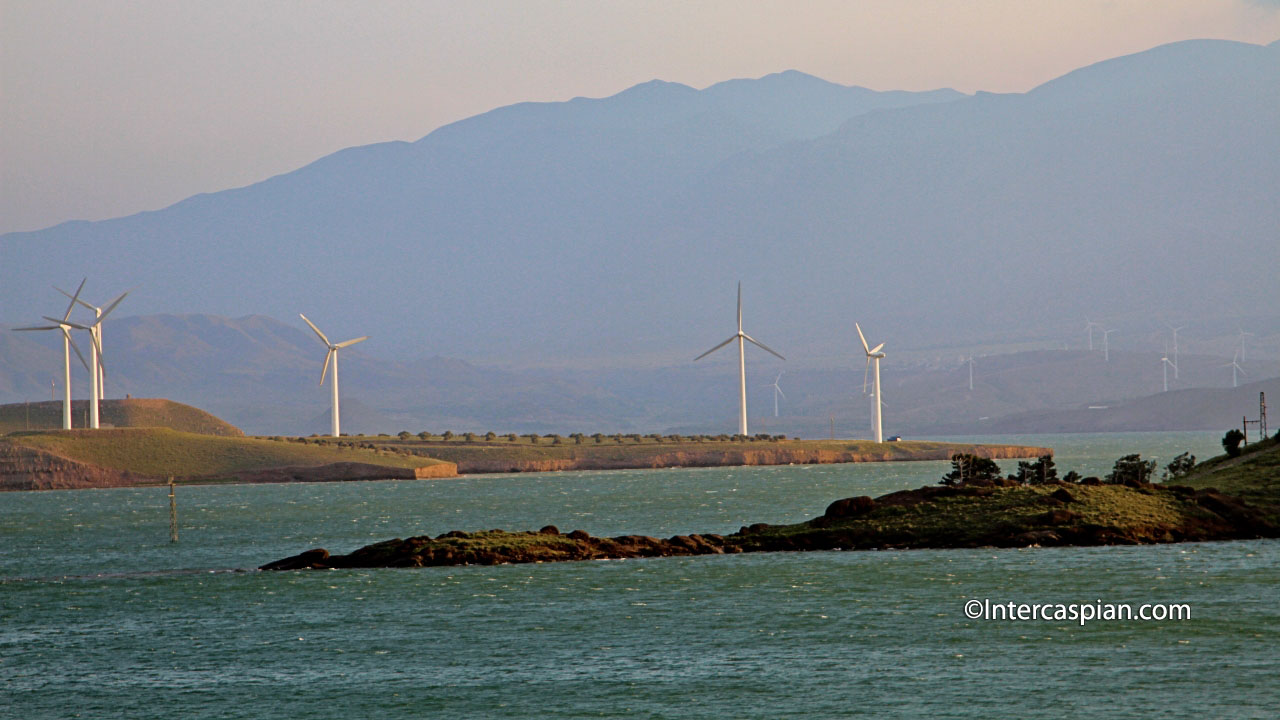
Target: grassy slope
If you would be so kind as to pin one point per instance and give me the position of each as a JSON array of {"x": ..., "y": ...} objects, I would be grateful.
[
  {"x": 1254, "y": 476},
  {"x": 132, "y": 412},
  {"x": 459, "y": 450},
  {"x": 161, "y": 451}
]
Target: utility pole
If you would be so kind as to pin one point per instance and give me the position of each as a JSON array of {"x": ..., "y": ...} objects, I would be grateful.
[
  {"x": 1262, "y": 414},
  {"x": 173, "y": 513}
]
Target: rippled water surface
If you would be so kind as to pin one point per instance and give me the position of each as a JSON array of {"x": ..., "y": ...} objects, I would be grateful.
[{"x": 103, "y": 617}]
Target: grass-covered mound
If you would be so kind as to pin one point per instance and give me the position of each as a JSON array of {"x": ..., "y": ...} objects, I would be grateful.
[
  {"x": 161, "y": 452},
  {"x": 1253, "y": 476},
  {"x": 129, "y": 412}
]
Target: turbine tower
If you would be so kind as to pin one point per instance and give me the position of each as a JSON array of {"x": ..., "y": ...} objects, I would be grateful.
[
  {"x": 1165, "y": 365},
  {"x": 1235, "y": 367},
  {"x": 1106, "y": 345},
  {"x": 776, "y": 392},
  {"x": 742, "y": 339},
  {"x": 971, "y": 372},
  {"x": 332, "y": 355},
  {"x": 67, "y": 345},
  {"x": 97, "y": 375},
  {"x": 876, "y": 355},
  {"x": 1242, "y": 335},
  {"x": 1175, "y": 347},
  {"x": 1089, "y": 325}
]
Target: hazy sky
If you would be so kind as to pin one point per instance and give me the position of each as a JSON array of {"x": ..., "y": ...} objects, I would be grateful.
[{"x": 109, "y": 108}]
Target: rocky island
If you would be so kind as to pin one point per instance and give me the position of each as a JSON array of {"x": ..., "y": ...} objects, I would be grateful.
[{"x": 999, "y": 513}]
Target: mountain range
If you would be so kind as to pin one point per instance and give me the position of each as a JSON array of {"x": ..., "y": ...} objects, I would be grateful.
[{"x": 609, "y": 232}]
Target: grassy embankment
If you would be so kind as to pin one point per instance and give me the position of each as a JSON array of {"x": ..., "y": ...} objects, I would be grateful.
[
  {"x": 161, "y": 452},
  {"x": 1254, "y": 476},
  {"x": 503, "y": 455},
  {"x": 130, "y": 412}
]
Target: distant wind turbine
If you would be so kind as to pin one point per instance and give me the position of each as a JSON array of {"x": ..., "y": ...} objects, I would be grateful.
[
  {"x": 1106, "y": 345},
  {"x": 98, "y": 379},
  {"x": 1089, "y": 326},
  {"x": 876, "y": 355},
  {"x": 1243, "y": 335},
  {"x": 332, "y": 355},
  {"x": 776, "y": 392},
  {"x": 1165, "y": 365},
  {"x": 67, "y": 346},
  {"x": 742, "y": 363},
  {"x": 1235, "y": 367},
  {"x": 1175, "y": 347},
  {"x": 970, "y": 371}
]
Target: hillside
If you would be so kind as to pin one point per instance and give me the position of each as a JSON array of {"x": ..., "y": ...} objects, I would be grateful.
[
  {"x": 126, "y": 456},
  {"x": 614, "y": 229},
  {"x": 129, "y": 412},
  {"x": 1253, "y": 476}
]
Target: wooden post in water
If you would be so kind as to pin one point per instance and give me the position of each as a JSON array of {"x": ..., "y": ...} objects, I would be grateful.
[{"x": 173, "y": 513}]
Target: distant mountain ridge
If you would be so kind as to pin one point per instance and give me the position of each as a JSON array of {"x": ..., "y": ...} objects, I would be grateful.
[{"x": 601, "y": 229}]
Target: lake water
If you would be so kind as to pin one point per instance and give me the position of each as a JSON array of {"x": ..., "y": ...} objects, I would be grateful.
[{"x": 102, "y": 617}]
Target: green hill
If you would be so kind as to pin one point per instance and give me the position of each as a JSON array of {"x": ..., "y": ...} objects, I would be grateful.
[
  {"x": 1254, "y": 476},
  {"x": 129, "y": 412}
]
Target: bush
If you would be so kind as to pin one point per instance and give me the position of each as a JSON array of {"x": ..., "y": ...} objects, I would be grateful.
[
  {"x": 1180, "y": 466},
  {"x": 1071, "y": 477},
  {"x": 490, "y": 436},
  {"x": 403, "y": 435},
  {"x": 1131, "y": 469},
  {"x": 424, "y": 435},
  {"x": 1231, "y": 442},
  {"x": 966, "y": 468}
]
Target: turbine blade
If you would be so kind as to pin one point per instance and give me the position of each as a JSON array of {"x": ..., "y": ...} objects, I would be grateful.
[
  {"x": 775, "y": 387},
  {"x": 112, "y": 306},
  {"x": 876, "y": 349},
  {"x": 38, "y": 327},
  {"x": 68, "y": 323},
  {"x": 323, "y": 339},
  {"x": 739, "y": 306},
  {"x": 726, "y": 342},
  {"x": 76, "y": 348},
  {"x": 863, "y": 338},
  {"x": 327, "y": 357},
  {"x": 762, "y": 346},
  {"x": 348, "y": 343},
  {"x": 75, "y": 299}
]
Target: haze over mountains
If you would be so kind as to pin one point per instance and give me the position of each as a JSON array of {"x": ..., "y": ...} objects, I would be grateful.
[{"x": 607, "y": 234}]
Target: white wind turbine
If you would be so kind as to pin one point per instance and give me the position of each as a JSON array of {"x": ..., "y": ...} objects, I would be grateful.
[
  {"x": 1235, "y": 367},
  {"x": 970, "y": 371},
  {"x": 67, "y": 346},
  {"x": 332, "y": 355},
  {"x": 742, "y": 338},
  {"x": 776, "y": 392},
  {"x": 1175, "y": 347},
  {"x": 1165, "y": 365},
  {"x": 876, "y": 355},
  {"x": 1243, "y": 335},
  {"x": 98, "y": 381},
  {"x": 1089, "y": 326},
  {"x": 1106, "y": 345}
]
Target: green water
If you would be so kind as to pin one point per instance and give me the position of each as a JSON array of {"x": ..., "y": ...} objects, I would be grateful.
[{"x": 102, "y": 617}]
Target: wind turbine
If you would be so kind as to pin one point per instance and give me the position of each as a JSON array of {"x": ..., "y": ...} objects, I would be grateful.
[
  {"x": 1089, "y": 325},
  {"x": 1235, "y": 367},
  {"x": 970, "y": 371},
  {"x": 332, "y": 355},
  {"x": 742, "y": 363},
  {"x": 1106, "y": 345},
  {"x": 776, "y": 392},
  {"x": 1243, "y": 334},
  {"x": 98, "y": 374},
  {"x": 97, "y": 314},
  {"x": 1175, "y": 347},
  {"x": 1165, "y": 365},
  {"x": 67, "y": 345},
  {"x": 876, "y": 355}
]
